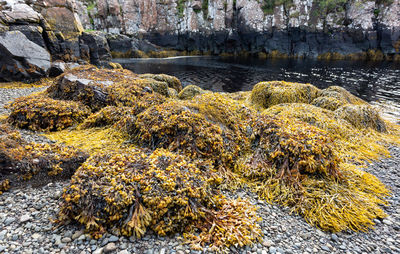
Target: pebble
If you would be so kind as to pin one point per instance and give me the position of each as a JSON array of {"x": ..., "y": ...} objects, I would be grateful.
[
  {"x": 24, "y": 218},
  {"x": 113, "y": 238},
  {"x": 110, "y": 247}
]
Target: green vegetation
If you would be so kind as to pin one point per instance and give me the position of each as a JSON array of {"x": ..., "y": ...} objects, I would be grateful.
[
  {"x": 268, "y": 6},
  {"x": 181, "y": 7}
]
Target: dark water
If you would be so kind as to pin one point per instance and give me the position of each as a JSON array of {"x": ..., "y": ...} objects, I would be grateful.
[{"x": 376, "y": 82}]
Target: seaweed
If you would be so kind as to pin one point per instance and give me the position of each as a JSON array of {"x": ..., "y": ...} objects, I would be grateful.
[
  {"x": 26, "y": 159},
  {"x": 131, "y": 192},
  {"x": 267, "y": 94},
  {"x": 172, "y": 81},
  {"x": 40, "y": 113},
  {"x": 177, "y": 127},
  {"x": 362, "y": 116},
  {"x": 189, "y": 92}
]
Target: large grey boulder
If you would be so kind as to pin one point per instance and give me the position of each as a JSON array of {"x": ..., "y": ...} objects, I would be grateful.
[{"x": 20, "y": 58}]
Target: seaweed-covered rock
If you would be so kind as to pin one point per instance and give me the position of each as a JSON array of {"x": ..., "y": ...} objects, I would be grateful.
[
  {"x": 4, "y": 186},
  {"x": 40, "y": 113},
  {"x": 291, "y": 149},
  {"x": 342, "y": 95},
  {"x": 362, "y": 116},
  {"x": 165, "y": 192},
  {"x": 98, "y": 88},
  {"x": 327, "y": 102},
  {"x": 23, "y": 160},
  {"x": 267, "y": 94},
  {"x": 190, "y": 91},
  {"x": 297, "y": 165},
  {"x": 107, "y": 116},
  {"x": 228, "y": 114},
  {"x": 70, "y": 87},
  {"x": 176, "y": 127},
  {"x": 172, "y": 81}
]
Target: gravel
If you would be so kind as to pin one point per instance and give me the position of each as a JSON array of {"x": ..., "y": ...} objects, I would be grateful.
[
  {"x": 9, "y": 94},
  {"x": 26, "y": 227}
]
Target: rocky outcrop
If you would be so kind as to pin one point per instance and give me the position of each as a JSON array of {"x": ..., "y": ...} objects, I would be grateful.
[
  {"x": 296, "y": 28},
  {"x": 35, "y": 33},
  {"x": 21, "y": 58}
]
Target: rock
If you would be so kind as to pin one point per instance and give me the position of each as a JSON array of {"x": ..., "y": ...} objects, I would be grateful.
[
  {"x": 21, "y": 58},
  {"x": 66, "y": 240},
  {"x": 334, "y": 238},
  {"x": 62, "y": 19},
  {"x": 267, "y": 243},
  {"x": 77, "y": 234},
  {"x": 32, "y": 32},
  {"x": 387, "y": 222},
  {"x": 98, "y": 251},
  {"x": 113, "y": 238},
  {"x": 21, "y": 13},
  {"x": 99, "y": 50},
  {"x": 24, "y": 218},
  {"x": 71, "y": 87},
  {"x": 110, "y": 247},
  {"x": 123, "y": 252},
  {"x": 9, "y": 220},
  {"x": 272, "y": 250},
  {"x": 56, "y": 69},
  {"x": 3, "y": 234}
]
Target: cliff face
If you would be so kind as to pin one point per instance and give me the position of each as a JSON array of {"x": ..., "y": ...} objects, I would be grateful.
[{"x": 297, "y": 27}]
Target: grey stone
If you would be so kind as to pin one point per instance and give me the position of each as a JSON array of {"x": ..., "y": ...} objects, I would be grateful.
[
  {"x": 21, "y": 58},
  {"x": 77, "y": 234},
  {"x": 66, "y": 240},
  {"x": 24, "y": 218},
  {"x": 113, "y": 238},
  {"x": 9, "y": 220},
  {"x": 98, "y": 251},
  {"x": 110, "y": 247}
]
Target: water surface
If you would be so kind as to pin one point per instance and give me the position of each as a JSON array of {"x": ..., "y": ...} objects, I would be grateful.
[{"x": 375, "y": 82}]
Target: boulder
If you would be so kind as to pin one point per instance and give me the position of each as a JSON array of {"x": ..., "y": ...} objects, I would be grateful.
[
  {"x": 33, "y": 33},
  {"x": 64, "y": 20},
  {"x": 56, "y": 69},
  {"x": 21, "y": 58},
  {"x": 98, "y": 47},
  {"x": 19, "y": 13}
]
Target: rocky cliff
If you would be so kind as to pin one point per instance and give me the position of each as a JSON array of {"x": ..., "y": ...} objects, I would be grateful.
[
  {"x": 35, "y": 34},
  {"x": 357, "y": 29},
  {"x": 289, "y": 27}
]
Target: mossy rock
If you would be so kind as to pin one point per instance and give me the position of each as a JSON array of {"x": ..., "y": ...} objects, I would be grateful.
[
  {"x": 163, "y": 191},
  {"x": 190, "y": 91},
  {"x": 267, "y": 94},
  {"x": 362, "y": 116},
  {"x": 40, "y": 113},
  {"x": 172, "y": 81}
]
